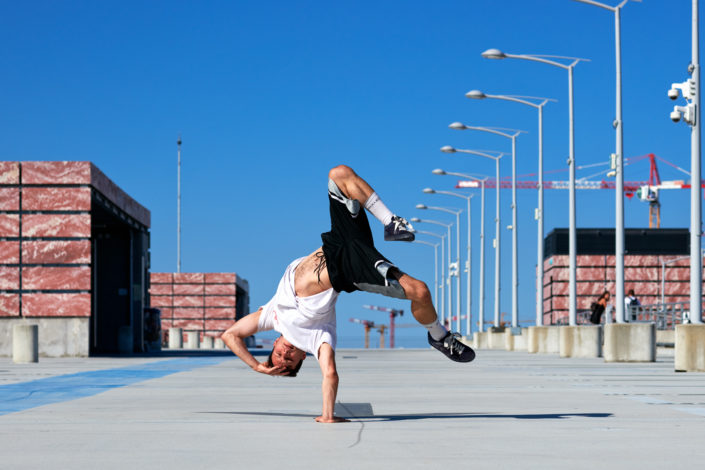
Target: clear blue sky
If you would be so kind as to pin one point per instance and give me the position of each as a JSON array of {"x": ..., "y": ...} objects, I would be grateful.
[{"x": 269, "y": 95}]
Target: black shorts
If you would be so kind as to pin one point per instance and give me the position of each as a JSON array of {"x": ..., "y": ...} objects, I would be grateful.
[{"x": 352, "y": 260}]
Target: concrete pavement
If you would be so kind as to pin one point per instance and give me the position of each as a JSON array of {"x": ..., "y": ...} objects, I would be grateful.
[{"x": 409, "y": 409}]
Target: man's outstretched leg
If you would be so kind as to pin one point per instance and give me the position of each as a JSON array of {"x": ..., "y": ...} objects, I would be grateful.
[
  {"x": 354, "y": 187},
  {"x": 424, "y": 312}
]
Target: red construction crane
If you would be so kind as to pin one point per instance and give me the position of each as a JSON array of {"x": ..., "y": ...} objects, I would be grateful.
[
  {"x": 368, "y": 326},
  {"x": 646, "y": 191},
  {"x": 392, "y": 314}
]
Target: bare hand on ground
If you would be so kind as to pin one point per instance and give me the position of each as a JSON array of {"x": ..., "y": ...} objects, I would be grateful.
[
  {"x": 274, "y": 370},
  {"x": 334, "y": 419}
]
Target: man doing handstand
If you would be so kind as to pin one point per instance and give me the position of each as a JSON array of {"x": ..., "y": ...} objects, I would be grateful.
[{"x": 303, "y": 308}]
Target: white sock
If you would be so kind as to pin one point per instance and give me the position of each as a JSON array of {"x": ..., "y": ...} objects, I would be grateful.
[
  {"x": 377, "y": 208},
  {"x": 436, "y": 330}
]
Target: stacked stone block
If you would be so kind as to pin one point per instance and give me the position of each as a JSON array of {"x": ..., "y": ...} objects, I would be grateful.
[{"x": 202, "y": 302}]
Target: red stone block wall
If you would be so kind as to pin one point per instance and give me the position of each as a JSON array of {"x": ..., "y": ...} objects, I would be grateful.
[
  {"x": 203, "y": 302},
  {"x": 45, "y": 246},
  {"x": 596, "y": 273}
]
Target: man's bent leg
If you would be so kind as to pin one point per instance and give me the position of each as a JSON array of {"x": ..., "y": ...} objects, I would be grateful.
[{"x": 354, "y": 187}]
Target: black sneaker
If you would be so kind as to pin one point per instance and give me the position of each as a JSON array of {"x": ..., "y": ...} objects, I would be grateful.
[
  {"x": 453, "y": 348},
  {"x": 399, "y": 230}
]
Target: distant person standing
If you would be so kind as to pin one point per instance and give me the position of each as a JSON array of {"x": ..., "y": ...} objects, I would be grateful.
[
  {"x": 631, "y": 301},
  {"x": 598, "y": 308}
]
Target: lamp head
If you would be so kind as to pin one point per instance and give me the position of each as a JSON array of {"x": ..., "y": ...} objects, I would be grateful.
[
  {"x": 446, "y": 149},
  {"x": 475, "y": 94},
  {"x": 459, "y": 126},
  {"x": 438, "y": 171},
  {"x": 429, "y": 191},
  {"x": 421, "y": 206},
  {"x": 415, "y": 220},
  {"x": 494, "y": 54}
]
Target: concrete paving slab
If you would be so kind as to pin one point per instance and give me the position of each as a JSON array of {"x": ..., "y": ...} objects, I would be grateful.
[{"x": 409, "y": 409}]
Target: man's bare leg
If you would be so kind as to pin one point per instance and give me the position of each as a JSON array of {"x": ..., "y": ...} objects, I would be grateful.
[{"x": 354, "y": 187}]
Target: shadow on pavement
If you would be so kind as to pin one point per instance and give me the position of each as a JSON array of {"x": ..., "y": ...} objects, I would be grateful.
[{"x": 418, "y": 416}]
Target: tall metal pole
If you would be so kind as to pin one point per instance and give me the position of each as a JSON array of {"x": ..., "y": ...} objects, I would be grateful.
[
  {"x": 497, "y": 265},
  {"x": 468, "y": 319},
  {"x": 178, "y": 207},
  {"x": 515, "y": 245},
  {"x": 619, "y": 173},
  {"x": 481, "y": 319},
  {"x": 539, "y": 248},
  {"x": 458, "y": 270},
  {"x": 435, "y": 275},
  {"x": 450, "y": 287},
  {"x": 443, "y": 290},
  {"x": 572, "y": 232},
  {"x": 696, "y": 280}
]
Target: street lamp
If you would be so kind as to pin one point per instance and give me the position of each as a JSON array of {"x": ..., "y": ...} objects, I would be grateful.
[
  {"x": 482, "y": 181},
  {"x": 416, "y": 220},
  {"x": 457, "y": 259},
  {"x": 435, "y": 272},
  {"x": 541, "y": 102},
  {"x": 497, "y": 268},
  {"x": 572, "y": 232},
  {"x": 510, "y": 134},
  {"x": 468, "y": 261},
  {"x": 618, "y": 161}
]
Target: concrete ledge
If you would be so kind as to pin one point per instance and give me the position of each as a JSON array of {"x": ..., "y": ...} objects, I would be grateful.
[
  {"x": 176, "y": 338},
  {"x": 496, "y": 338},
  {"x": 690, "y": 348},
  {"x": 515, "y": 340},
  {"x": 480, "y": 340},
  {"x": 630, "y": 342},
  {"x": 580, "y": 341},
  {"x": 25, "y": 343},
  {"x": 58, "y": 337},
  {"x": 543, "y": 339}
]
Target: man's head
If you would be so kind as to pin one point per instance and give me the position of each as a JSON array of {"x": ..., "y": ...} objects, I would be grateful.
[
  {"x": 286, "y": 355},
  {"x": 630, "y": 293}
]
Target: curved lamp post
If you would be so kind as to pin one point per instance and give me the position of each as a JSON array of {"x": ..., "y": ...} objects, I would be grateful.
[
  {"x": 619, "y": 162},
  {"x": 468, "y": 261},
  {"x": 511, "y": 134},
  {"x": 457, "y": 260},
  {"x": 416, "y": 220},
  {"x": 538, "y": 103},
  {"x": 497, "y": 269},
  {"x": 572, "y": 233},
  {"x": 481, "y": 314}
]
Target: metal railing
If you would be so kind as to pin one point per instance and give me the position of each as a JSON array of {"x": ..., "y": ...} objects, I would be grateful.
[{"x": 665, "y": 315}]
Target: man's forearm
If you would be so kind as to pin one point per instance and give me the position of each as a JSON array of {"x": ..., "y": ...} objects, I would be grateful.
[
  {"x": 237, "y": 346},
  {"x": 329, "y": 389}
]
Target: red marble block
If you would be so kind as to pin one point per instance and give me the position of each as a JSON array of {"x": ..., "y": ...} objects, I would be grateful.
[
  {"x": 117, "y": 196},
  {"x": 9, "y": 278},
  {"x": 159, "y": 301},
  {"x": 188, "y": 278},
  {"x": 221, "y": 325},
  {"x": 56, "y": 199},
  {"x": 590, "y": 274},
  {"x": 560, "y": 302},
  {"x": 677, "y": 288},
  {"x": 9, "y": 305},
  {"x": 56, "y": 225},
  {"x": 188, "y": 312},
  {"x": 9, "y": 172},
  {"x": 188, "y": 289},
  {"x": 160, "y": 289},
  {"x": 166, "y": 324},
  {"x": 559, "y": 260},
  {"x": 45, "y": 278},
  {"x": 56, "y": 305},
  {"x": 677, "y": 298},
  {"x": 165, "y": 313},
  {"x": 641, "y": 274},
  {"x": 9, "y": 252},
  {"x": 642, "y": 289},
  {"x": 677, "y": 274},
  {"x": 560, "y": 274},
  {"x": 610, "y": 274},
  {"x": 584, "y": 302},
  {"x": 220, "y": 301},
  {"x": 548, "y": 305},
  {"x": 9, "y": 199},
  {"x": 641, "y": 260},
  {"x": 189, "y": 325},
  {"x": 671, "y": 260},
  {"x": 56, "y": 173},
  {"x": 547, "y": 292},
  {"x": 220, "y": 289},
  {"x": 560, "y": 288},
  {"x": 56, "y": 252},
  {"x": 220, "y": 278},
  {"x": 593, "y": 289},
  {"x": 161, "y": 278},
  {"x": 220, "y": 312},
  {"x": 9, "y": 225},
  {"x": 590, "y": 260},
  {"x": 188, "y": 301}
]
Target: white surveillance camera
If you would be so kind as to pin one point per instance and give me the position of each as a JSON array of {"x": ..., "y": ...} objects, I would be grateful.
[
  {"x": 673, "y": 93},
  {"x": 675, "y": 116}
]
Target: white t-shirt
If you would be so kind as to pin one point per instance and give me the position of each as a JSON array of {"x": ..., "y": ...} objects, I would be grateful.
[{"x": 306, "y": 322}]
